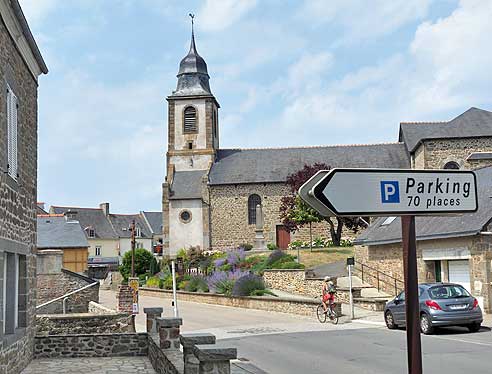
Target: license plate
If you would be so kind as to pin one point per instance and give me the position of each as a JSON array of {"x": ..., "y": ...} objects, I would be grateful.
[{"x": 458, "y": 307}]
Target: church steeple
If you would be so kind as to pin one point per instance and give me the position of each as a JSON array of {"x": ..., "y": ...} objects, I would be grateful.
[{"x": 193, "y": 78}]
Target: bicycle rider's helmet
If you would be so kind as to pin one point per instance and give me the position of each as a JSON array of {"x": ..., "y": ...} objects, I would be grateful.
[{"x": 327, "y": 279}]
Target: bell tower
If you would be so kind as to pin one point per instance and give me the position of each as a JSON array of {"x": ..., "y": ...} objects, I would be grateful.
[{"x": 193, "y": 134}]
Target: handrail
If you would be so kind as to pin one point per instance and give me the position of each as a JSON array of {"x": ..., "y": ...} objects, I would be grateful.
[
  {"x": 393, "y": 280},
  {"x": 64, "y": 297}
]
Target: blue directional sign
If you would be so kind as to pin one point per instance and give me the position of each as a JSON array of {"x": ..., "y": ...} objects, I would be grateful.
[{"x": 383, "y": 192}]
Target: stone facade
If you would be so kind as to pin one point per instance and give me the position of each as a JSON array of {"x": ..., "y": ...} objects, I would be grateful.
[
  {"x": 18, "y": 197},
  {"x": 51, "y": 286}
]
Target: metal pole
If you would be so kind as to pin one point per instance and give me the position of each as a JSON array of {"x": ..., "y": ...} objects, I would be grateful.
[
  {"x": 351, "y": 297},
  {"x": 414, "y": 349},
  {"x": 175, "y": 300}
]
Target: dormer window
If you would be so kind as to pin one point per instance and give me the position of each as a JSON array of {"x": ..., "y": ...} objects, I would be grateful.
[
  {"x": 190, "y": 120},
  {"x": 91, "y": 233},
  {"x": 138, "y": 232}
]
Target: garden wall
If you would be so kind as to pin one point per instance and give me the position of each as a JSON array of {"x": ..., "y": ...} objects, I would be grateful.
[
  {"x": 293, "y": 281},
  {"x": 273, "y": 304}
]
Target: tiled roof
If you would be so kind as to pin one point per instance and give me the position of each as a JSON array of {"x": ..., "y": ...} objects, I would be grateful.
[
  {"x": 438, "y": 227},
  {"x": 154, "y": 219},
  {"x": 55, "y": 232},
  {"x": 187, "y": 185},
  {"x": 235, "y": 166},
  {"x": 472, "y": 123},
  {"x": 90, "y": 217},
  {"x": 121, "y": 224}
]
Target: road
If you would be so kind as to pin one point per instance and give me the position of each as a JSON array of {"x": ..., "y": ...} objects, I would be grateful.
[{"x": 282, "y": 343}]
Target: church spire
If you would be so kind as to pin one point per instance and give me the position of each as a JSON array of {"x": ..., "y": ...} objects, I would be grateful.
[{"x": 193, "y": 78}]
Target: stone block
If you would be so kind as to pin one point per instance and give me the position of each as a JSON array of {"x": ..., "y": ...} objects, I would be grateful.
[
  {"x": 154, "y": 310},
  {"x": 169, "y": 322},
  {"x": 216, "y": 352},
  {"x": 190, "y": 340}
]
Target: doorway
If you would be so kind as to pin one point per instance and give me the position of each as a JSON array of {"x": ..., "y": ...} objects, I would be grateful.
[{"x": 283, "y": 237}]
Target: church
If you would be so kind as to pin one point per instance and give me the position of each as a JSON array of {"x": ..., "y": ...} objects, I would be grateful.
[{"x": 210, "y": 194}]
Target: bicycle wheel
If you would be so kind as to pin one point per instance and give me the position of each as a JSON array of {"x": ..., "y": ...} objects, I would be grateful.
[
  {"x": 333, "y": 317},
  {"x": 320, "y": 312}
]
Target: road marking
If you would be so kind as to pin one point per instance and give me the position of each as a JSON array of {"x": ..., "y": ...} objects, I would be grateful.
[
  {"x": 374, "y": 323},
  {"x": 460, "y": 340}
]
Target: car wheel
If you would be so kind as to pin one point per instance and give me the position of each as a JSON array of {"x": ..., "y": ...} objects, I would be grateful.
[
  {"x": 390, "y": 320},
  {"x": 426, "y": 325},
  {"x": 474, "y": 327}
]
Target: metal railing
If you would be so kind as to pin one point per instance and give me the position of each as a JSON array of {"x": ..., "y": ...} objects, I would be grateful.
[
  {"x": 383, "y": 281},
  {"x": 65, "y": 297}
]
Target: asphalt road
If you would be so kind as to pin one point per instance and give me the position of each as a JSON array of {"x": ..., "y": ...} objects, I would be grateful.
[{"x": 366, "y": 350}]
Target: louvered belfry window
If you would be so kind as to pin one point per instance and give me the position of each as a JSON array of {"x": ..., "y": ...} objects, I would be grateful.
[
  {"x": 190, "y": 120},
  {"x": 12, "y": 106}
]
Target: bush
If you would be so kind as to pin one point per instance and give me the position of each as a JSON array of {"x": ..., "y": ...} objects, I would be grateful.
[
  {"x": 246, "y": 246},
  {"x": 143, "y": 258},
  {"x": 168, "y": 283},
  {"x": 272, "y": 246},
  {"x": 245, "y": 285},
  {"x": 222, "y": 282},
  {"x": 152, "y": 282},
  {"x": 154, "y": 266},
  {"x": 182, "y": 285},
  {"x": 275, "y": 256},
  {"x": 289, "y": 265},
  {"x": 197, "y": 283},
  {"x": 262, "y": 293},
  {"x": 161, "y": 283}
]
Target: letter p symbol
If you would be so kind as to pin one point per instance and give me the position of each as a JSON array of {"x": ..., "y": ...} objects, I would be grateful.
[{"x": 390, "y": 192}]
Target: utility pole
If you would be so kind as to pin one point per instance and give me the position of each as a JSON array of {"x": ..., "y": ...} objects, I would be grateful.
[{"x": 132, "y": 228}]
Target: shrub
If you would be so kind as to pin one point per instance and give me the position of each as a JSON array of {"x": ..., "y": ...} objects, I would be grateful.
[
  {"x": 197, "y": 283},
  {"x": 246, "y": 246},
  {"x": 262, "y": 293},
  {"x": 272, "y": 246},
  {"x": 290, "y": 265},
  {"x": 235, "y": 256},
  {"x": 168, "y": 282},
  {"x": 225, "y": 267},
  {"x": 161, "y": 283},
  {"x": 222, "y": 282},
  {"x": 153, "y": 282},
  {"x": 219, "y": 262},
  {"x": 275, "y": 256},
  {"x": 143, "y": 258},
  {"x": 245, "y": 285},
  {"x": 182, "y": 285}
]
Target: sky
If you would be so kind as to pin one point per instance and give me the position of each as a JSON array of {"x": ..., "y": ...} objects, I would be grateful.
[{"x": 285, "y": 72}]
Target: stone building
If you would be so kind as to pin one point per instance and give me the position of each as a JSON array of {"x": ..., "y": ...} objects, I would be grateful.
[
  {"x": 210, "y": 194},
  {"x": 20, "y": 66}
]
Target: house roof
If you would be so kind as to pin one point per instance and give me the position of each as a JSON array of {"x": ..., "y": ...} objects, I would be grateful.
[
  {"x": 90, "y": 217},
  {"x": 154, "y": 220},
  {"x": 428, "y": 228},
  {"x": 472, "y": 123},
  {"x": 236, "y": 166},
  {"x": 122, "y": 222},
  {"x": 187, "y": 185},
  {"x": 56, "y": 232}
]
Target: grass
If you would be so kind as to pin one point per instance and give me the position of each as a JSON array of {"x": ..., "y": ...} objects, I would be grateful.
[{"x": 319, "y": 256}]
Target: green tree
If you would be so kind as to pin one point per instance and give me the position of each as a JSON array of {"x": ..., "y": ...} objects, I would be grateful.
[{"x": 143, "y": 261}]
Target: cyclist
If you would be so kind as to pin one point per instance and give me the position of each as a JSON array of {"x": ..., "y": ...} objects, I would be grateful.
[{"x": 328, "y": 293}]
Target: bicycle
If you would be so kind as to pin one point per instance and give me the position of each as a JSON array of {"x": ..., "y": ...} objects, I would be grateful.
[{"x": 330, "y": 313}]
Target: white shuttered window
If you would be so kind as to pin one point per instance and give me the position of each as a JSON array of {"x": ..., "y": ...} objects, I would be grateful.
[{"x": 12, "y": 133}]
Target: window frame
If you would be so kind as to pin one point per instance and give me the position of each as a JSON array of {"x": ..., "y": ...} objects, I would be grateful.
[
  {"x": 194, "y": 129},
  {"x": 12, "y": 133},
  {"x": 98, "y": 247},
  {"x": 256, "y": 200}
]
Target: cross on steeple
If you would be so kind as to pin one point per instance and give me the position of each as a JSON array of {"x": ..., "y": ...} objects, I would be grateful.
[{"x": 192, "y": 16}]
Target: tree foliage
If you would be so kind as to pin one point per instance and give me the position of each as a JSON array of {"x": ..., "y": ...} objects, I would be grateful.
[
  {"x": 295, "y": 213},
  {"x": 143, "y": 262}
]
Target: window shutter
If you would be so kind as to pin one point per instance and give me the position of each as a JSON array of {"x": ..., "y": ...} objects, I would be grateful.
[
  {"x": 190, "y": 120},
  {"x": 12, "y": 133}
]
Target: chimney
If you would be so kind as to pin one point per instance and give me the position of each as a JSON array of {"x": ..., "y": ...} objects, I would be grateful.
[
  {"x": 105, "y": 208},
  {"x": 70, "y": 215}
]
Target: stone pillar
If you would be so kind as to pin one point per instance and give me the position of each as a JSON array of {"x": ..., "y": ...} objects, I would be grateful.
[
  {"x": 188, "y": 341},
  {"x": 214, "y": 359},
  {"x": 152, "y": 315},
  {"x": 260, "y": 242},
  {"x": 124, "y": 299},
  {"x": 169, "y": 333}
]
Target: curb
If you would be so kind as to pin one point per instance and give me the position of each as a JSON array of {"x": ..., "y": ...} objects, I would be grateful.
[{"x": 366, "y": 322}]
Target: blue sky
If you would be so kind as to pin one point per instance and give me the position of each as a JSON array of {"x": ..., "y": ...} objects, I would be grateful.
[{"x": 285, "y": 73}]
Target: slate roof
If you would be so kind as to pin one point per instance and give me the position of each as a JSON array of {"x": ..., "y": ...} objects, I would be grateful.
[
  {"x": 56, "y": 233},
  {"x": 236, "y": 166},
  {"x": 187, "y": 185},
  {"x": 472, "y": 123},
  {"x": 122, "y": 222},
  {"x": 154, "y": 219},
  {"x": 90, "y": 217},
  {"x": 428, "y": 228}
]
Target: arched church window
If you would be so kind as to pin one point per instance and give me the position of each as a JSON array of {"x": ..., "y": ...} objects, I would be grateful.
[
  {"x": 190, "y": 120},
  {"x": 451, "y": 165},
  {"x": 253, "y": 201}
]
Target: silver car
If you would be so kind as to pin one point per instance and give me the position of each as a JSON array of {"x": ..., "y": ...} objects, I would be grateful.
[{"x": 441, "y": 304}]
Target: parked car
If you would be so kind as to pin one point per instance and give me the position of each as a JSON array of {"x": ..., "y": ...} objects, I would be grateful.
[{"x": 441, "y": 304}]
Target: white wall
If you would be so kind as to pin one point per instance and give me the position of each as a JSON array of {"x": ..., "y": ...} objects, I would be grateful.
[
  {"x": 184, "y": 235},
  {"x": 126, "y": 244}
]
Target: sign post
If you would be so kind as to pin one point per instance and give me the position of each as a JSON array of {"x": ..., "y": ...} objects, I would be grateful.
[
  {"x": 350, "y": 263},
  {"x": 395, "y": 192}
]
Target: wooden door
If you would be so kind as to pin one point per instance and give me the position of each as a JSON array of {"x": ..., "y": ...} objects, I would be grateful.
[{"x": 283, "y": 237}]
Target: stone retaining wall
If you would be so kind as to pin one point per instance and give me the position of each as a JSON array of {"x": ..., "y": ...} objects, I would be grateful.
[
  {"x": 293, "y": 281},
  {"x": 85, "y": 345},
  {"x": 168, "y": 363},
  {"x": 99, "y": 321},
  {"x": 273, "y": 304}
]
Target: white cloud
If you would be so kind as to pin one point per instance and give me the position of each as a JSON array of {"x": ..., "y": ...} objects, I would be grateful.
[
  {"x": 36, "y": 10},
  {"x": 217, "y": 15},
  {"x": 363, "y": 19}
]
